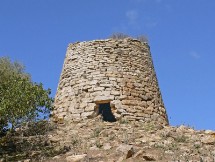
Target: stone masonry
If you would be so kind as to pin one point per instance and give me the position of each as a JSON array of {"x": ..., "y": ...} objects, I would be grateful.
[{"x": 115, "y": 71}]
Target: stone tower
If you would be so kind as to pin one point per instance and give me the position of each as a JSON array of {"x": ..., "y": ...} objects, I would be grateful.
[{"x": 114, "y": 78}]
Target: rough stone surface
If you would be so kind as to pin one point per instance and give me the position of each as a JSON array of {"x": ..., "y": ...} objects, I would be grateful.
[
  {"x": 77, "y": 158},
  {"x": 126, "y": 150},
  {"x": 123, "y": 140},
  {"x": 131, "y": 141},
  {"x": 119, "y": 71}
]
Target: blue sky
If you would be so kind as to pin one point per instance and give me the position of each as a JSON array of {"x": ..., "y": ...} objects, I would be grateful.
[{"x": 180, "y": 32}]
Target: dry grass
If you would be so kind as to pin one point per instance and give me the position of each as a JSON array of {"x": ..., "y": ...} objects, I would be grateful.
[{"x": 141, "y": 38}]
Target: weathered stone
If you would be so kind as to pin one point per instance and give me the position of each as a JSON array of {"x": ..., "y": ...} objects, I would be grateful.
[
  {"x": 60, "y": 120},
  {"x": 55, "y": 139},
  {"x": 106, "y": 85},
  {"x": 122, "y": 97},
  {"x": 107, "y": 146},
  {"x": 77, "y": 111},
  {"x": 98, "y": 89},
  {"x": 90, "y": 107},
  {"x": 115, "y": 93},
  {"x": 139, "y": 153},
  {"x": 210, "y": 132},
  {"x": 94, "y": 148},
  {"x": 87, "y": 114},
  {"x": 126, "y": 150},
  {"x": 149, "y": 157},
  {"x": 75, "y": 115},
  {"x": 121, "y": 159},
  {"x": 208, "y": 139},
  {"x": 56, "y": 157},
  {"x": 82, "y": 106},
  {"x": 77, "y": 158},
  {"x": 103, "y": 98}
]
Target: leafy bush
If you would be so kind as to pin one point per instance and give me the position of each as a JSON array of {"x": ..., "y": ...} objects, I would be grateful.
[
  {"x": 29, "y": 141},
  {"x": 21, "y": 99}
]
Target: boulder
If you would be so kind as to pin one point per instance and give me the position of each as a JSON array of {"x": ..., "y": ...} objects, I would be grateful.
[{"x": 126, "y": 150}]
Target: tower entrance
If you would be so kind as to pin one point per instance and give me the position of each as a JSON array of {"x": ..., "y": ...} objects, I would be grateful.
[{"x": 106, "y": 113}]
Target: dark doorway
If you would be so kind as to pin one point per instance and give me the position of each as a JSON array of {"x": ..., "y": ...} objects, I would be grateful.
[{"x": 105, "y": 111}]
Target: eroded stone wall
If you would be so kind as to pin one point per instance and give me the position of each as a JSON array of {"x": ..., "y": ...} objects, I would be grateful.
[{"x": 117, "y": 71}]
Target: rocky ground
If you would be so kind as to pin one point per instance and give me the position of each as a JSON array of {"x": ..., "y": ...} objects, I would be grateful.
[
  {"x": 98, "y": 141},
  {"x": 94, "y": 140}
]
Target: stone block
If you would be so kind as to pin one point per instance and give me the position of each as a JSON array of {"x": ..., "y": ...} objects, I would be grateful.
[
  {"x": 90, "y": 107},
  {"x": 126, "y": 102},
  {"x": 142, "y": 104},
  {"x": 98, "y": 88},
  {"x": 87, "y": 114},
  {"x": 127, "y": 93},
  {"x": 77, "y": 111},
  {"x": 77, "y": 158},
  {"x": 115, "y": 93},
  {"x": 75, "y": 115},
  {"x": 131, "y": 110},
  {"x": 82, "y": 105},
  {"x": 112, "y": 78},
  {"x": 106, "y": 85},
  {"x": 103, "y": 98},
  {"x": 134, "y": 102},
  {"x": 122, "y": 97},
  {"x": 105, "y": 93}
]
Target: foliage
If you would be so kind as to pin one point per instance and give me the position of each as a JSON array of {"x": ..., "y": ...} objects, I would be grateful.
[
  {"x": 30, "y": 141},
  {"x": 20, "y": 99}
]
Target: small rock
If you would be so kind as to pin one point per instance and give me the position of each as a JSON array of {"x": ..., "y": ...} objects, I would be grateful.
[
  {"x": 207, "y": 159},
  {"x": 81, "y": 125},
  {"x": 120, "y": 159},
  {"x": 107, "y": 146},
  {"x": 127, "y": 150},
  {"x": 208, "y": 140},
  {"x": 209, "y": 132},
  {"x": 181, "y": 129},
  {"x": 148, "y": 157},
  {"x": 77, "y": 158},
  {"x": 94, "y": 148},
  {"x": 69, "y": 153},
  {"x": 169, "y": 152},
  {"x": 27, "y": 160},
  {"x": 110, "y": 160},
  {"x": 213, "y": 153},
  {"x": 55, "y": 139},
  {"x": 60, "y": 120},
  {"x": 56, "y": 157},
  {"x": 139, "y": 153}
]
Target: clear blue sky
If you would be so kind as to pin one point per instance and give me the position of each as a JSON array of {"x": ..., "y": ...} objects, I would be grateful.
[{"x": 181, "y": 36}]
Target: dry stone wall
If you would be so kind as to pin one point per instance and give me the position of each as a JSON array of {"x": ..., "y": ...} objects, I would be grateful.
[{"x": 115, "y": 71}]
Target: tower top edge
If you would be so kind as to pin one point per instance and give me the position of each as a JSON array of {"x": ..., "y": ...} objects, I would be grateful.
[{"x": 111, "y": 40}]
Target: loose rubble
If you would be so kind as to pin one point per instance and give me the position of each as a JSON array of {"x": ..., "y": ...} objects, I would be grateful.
[{"x": 135, "y": 141}]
